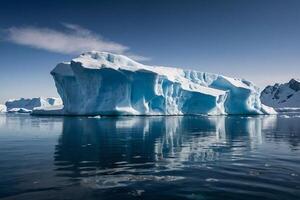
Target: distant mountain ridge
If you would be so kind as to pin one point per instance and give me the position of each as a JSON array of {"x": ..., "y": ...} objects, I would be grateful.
[{"x": 285, "y": 95}]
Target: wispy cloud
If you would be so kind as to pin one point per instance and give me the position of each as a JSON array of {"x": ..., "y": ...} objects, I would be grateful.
[{"x": 74, "y": 39}]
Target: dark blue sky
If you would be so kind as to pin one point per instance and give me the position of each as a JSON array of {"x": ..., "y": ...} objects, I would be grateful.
[{"x": 254, "y": 39}]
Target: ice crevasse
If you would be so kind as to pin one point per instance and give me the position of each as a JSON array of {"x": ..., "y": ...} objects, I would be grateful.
[{"x": 100, "y": 83}]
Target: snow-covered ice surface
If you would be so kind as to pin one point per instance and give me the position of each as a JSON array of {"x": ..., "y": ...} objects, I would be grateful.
[
  {"x": 99, "y": 83},
  {"x": 2, "y": 108},
  {"x": 19, "y": 110},
  {"x": 23, "y": 105},
  {"x": 283, "y": 97}
]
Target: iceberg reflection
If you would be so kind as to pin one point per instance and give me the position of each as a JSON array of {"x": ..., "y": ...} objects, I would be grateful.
[
  {"x": 109, "y": 142},
  {"x": 117, "y": 152}
]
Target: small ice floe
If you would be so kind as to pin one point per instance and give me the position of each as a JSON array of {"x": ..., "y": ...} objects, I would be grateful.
[
  {"x": 290, "y": 116},
  {"x": 246, "y": 117},
  {"x": 267, "y": 165},
  {"x": 285, "y": 116},
  {"x": 293, "y": 174},
  {"x": 95, "y": 117},
  {"x": 137, "y": 156},
  {"x": 254, "y": 173},
  {"x": 136, "y": 193},
  {"x": 211, "y": 180},
  {"x": 121, "y": 162},
  {"x": 86, "y": 145}
]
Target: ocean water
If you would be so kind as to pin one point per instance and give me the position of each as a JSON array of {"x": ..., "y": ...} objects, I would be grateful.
[{"x": 192, "y": 157}]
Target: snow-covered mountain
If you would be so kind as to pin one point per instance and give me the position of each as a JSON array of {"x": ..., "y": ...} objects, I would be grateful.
[
  {"x": 27, "y": 105},
  {"x": 285, "y": 95},
  {"x": 99, "y": 83},
  {"x": 2, "y": 108}
]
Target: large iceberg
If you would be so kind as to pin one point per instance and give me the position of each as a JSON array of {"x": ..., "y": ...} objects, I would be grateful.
[
  {"x": 23, "y": 105},
  {"x": 100, "y": 83}
]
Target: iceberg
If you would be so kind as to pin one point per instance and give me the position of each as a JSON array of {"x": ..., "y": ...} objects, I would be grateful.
[
  {"x": 23, "y": 105},
  {"x": 2, "y": 108},
  {"x": 100, "y": 83}
]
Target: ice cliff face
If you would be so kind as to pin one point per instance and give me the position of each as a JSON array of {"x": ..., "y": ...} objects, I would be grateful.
[
  {"x": 285, "y": 95},
  {"x": 99, "y": 83},
  {"x": 27, "y": 105}
]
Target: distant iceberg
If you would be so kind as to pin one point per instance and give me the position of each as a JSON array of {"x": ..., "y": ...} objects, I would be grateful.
[
  {"x": 23, "y": 105},
  {"x": 2, "y": 108},
  {"x": 99, "y": 83}
]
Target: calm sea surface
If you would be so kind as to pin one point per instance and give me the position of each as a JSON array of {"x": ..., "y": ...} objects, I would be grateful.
[{"x": 235, "y": 157}]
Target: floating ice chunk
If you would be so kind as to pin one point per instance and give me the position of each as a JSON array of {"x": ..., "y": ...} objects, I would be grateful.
[
  {"x": 95, "y": 117},
  {"x": 285, "y": 116},
  {"x": 212, "y": 180}
]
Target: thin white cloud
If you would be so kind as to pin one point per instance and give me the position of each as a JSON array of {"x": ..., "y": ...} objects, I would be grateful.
[{"x": 73, "y": 40}]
